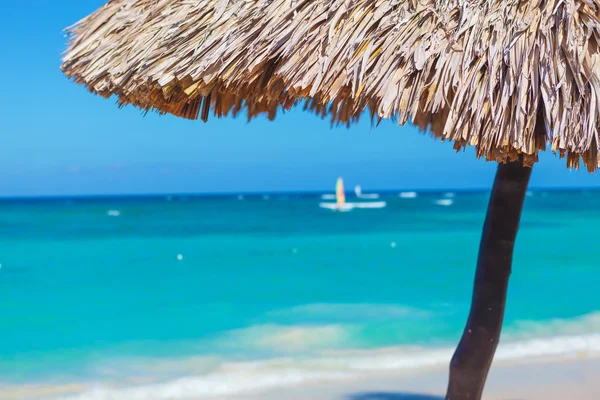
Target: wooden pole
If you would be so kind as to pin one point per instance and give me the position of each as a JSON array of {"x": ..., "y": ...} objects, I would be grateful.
[{"x": 473, "y": 357}]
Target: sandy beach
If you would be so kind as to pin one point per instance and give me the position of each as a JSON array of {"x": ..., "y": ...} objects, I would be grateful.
[
  {"x": 557, "y": 379},
  {"x": 539, "y": 380}
]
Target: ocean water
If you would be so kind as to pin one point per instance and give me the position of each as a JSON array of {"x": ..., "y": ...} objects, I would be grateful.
[{"x": 191, "y": 297}]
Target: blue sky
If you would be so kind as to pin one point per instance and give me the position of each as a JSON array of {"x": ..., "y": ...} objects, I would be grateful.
[{"x": 58, "y": 139}]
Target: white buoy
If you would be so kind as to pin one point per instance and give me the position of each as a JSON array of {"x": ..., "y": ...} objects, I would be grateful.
[{"x": 179, "y": 257}]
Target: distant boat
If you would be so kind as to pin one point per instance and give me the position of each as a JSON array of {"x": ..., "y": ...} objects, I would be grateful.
[
  {"x": 341, "y": 204},
  {"x": 361, "y": 195}
]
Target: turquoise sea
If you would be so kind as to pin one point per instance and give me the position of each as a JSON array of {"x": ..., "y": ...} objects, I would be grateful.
[{"x": 189, "y": 297}]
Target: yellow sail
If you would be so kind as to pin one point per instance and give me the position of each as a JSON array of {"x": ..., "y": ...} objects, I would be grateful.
[{"x": 339, "y": 192}]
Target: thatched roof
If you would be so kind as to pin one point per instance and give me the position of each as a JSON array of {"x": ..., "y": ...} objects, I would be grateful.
[{"x": 477, "y": 73}]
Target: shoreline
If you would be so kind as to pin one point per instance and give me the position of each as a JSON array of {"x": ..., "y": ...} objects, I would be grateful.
[
  {"x": 539, "y": 379},
  {"x": 558, "y": 378}
]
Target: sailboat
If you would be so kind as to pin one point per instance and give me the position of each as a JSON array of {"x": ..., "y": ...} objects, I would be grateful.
[
  {"x": 341, "y": 204},
  {"x": 361, "y": 195}
]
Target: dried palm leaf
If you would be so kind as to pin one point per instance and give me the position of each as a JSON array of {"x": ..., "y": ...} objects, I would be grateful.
[{"x": 473, "y": 72}]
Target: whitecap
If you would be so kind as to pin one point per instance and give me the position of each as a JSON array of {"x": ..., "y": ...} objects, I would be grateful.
[
  {"x": 584, "y": 324},
  {"x": 212, "y": 386},
  {"x": 444, "y": 202},
  {"x": 408, "y": 195},
  {"x": 113, "y": 213}
]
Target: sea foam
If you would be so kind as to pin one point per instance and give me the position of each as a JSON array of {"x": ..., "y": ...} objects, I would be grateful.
[
  {"x": 239, "y": 378},
  {"x": 524, "y": 341}
]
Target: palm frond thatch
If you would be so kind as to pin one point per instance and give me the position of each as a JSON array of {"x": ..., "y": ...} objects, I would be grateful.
[{"x": 477, "y": 73}]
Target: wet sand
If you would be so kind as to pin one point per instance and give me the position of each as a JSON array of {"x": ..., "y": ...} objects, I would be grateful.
[
  {"x": 558, "y": 379},
  {"x": 567, "y": 379}
]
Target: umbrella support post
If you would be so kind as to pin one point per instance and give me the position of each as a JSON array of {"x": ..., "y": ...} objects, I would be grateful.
[{"x": 473, "y": 357}]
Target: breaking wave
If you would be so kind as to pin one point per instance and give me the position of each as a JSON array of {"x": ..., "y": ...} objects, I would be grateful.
[{"x": 524, "y": 340}]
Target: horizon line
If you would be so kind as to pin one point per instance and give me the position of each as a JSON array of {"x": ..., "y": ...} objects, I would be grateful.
[{"x": 271, "y": 193}]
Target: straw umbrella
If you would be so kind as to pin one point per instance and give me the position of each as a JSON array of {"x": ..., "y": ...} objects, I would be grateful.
[{"x": 507, "y": 77}]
